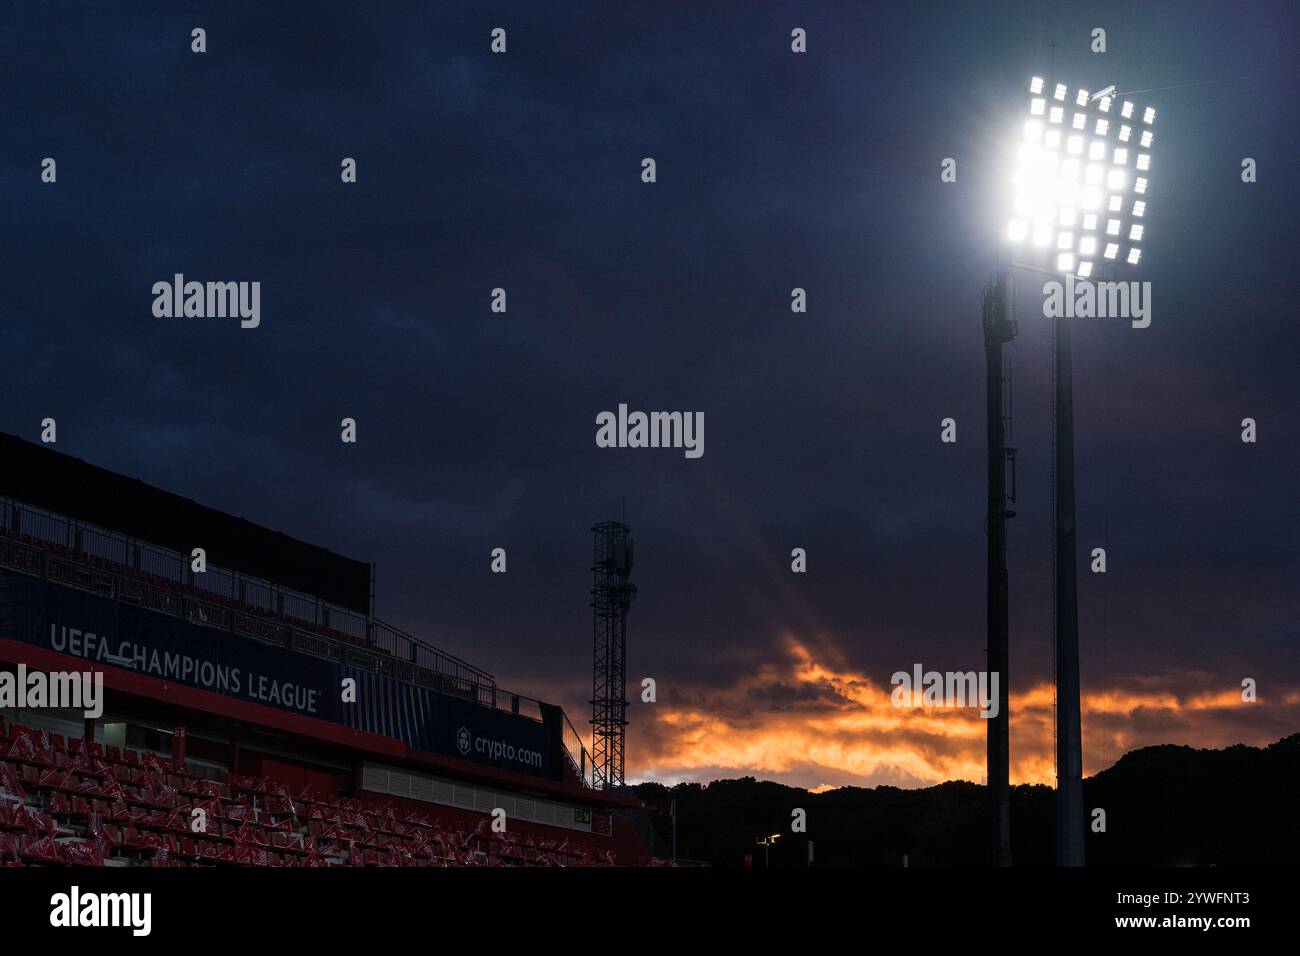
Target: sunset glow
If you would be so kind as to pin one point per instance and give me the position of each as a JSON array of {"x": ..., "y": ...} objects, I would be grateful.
[{"x": 840, "y": 728}]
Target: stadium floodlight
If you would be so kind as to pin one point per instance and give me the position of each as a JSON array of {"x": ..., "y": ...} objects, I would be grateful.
[{"x": 1083, "y": 164}]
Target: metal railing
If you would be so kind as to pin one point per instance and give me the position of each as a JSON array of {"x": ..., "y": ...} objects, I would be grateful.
[
  {"x": 305, "y": 612},
  {"x": 579, "y": 757},
  {"x": 249, "y": 607}
]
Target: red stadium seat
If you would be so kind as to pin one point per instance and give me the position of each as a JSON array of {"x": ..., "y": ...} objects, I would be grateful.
[{"x": 123, "y": 805}]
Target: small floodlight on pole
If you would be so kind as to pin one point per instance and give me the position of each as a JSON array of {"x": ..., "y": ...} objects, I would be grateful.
[
  {"x": 1080, "y": 202},
  {"x": 766, "y": 843}
]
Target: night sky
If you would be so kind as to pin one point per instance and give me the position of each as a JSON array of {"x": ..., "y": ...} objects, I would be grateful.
[{"x": 775, "y": 171}]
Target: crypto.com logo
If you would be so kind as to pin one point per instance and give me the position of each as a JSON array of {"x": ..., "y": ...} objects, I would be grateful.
[{"x": 464, "y": 741}]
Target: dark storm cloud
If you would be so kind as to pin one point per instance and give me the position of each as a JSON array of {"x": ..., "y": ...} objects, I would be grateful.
[{"x": 775, "y": 171}]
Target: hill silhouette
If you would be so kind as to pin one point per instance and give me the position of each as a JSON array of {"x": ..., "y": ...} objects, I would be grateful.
[{"x": 1165, "y": 806}]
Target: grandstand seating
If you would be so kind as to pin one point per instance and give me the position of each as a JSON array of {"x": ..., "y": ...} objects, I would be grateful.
[
  {"x": 66, "y": 803},
  {"x": 73, "y": 803}
]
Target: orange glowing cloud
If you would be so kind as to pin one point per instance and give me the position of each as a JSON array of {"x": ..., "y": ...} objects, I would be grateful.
[{"x": 806, "y": 719}]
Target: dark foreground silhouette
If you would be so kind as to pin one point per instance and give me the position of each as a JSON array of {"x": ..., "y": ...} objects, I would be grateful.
[{"x": 1165, "y": 806}]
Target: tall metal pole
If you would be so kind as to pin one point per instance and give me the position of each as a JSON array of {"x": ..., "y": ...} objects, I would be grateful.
[
  {"x": 672, "y": 810},
  {"x": 611, "y": 595},
  {"x": 999, "y": 328},
  {"x": 1069, "y": 739}
]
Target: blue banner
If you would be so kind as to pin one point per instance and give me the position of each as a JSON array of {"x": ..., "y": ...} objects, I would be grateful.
[{"x": 114, "y": 634}]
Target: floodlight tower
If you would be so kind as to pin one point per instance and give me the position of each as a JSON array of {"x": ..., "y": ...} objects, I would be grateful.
[
  {"x": 611, "y": 596},
  {"x": 1069, "y": 730},
  {"x": 999, "y": 328},
  {"x": 1079, "y": 195}
]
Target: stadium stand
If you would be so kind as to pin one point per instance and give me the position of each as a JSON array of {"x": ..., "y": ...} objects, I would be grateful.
[
  {"x": 409, "y": 776},
  {"x": 71, "y": 803}
]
